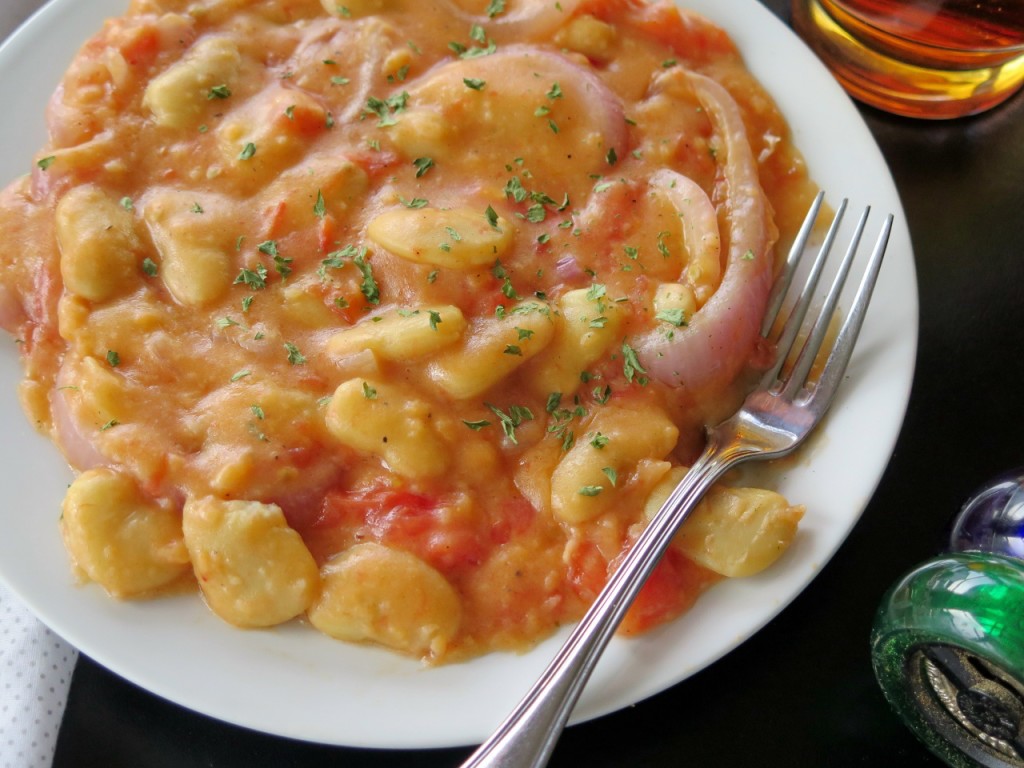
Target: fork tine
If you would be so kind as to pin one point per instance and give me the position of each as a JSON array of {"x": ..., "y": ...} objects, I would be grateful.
[
  {"x": 785, "y": 279},
  {"x": 798, "y": 311},
  {"x": 809, "y": 352},
  {"x": 842, "y": 349}
]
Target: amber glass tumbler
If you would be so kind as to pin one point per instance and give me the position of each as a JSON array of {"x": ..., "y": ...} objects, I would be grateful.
[{"x": 922, "y": 58}]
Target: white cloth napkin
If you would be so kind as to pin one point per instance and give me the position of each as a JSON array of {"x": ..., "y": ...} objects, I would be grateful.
[{"x": 35, "y": 674}]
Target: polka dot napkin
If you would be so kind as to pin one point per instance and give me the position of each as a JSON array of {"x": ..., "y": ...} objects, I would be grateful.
[{"x": 35, "y": 673}]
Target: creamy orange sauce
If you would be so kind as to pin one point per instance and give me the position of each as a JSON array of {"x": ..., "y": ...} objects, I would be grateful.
[{"x": 369, "y": 312}]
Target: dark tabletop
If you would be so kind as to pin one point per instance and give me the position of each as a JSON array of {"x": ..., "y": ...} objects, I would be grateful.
[{"x": 801, "y": 692}]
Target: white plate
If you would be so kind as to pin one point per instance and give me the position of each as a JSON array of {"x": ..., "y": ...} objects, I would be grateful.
[{"x": 295, "y": 682}]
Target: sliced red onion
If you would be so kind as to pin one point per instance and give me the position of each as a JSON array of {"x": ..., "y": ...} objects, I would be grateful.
[
  {"x": 711, "y": 350},
  {"x": 700, "y": 230},
  {"x": 79, "y": 450},
  {"x": 569, "y": 270},
  {"x": 529, "y": 20}
]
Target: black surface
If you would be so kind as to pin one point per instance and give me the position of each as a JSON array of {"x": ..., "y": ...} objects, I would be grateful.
[{"x": 801, "y": 692}]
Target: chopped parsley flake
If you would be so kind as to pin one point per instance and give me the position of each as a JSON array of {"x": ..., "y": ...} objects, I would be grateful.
[
  {"x": 113, "y": 359},
  {"x": 386, "y": 109},
  {"x": 369, "y": 392},
  {"x": 149, "y": 267},
  {"x": 591, "y": 490},
  {"x": 676, "y": 317},
  {"x": 369, "y": 287},
  {"x": 507, "y": 289},
  {"x": 662, "y": 248},
  {"x": 423, "y": 164},
  {"x": 294, "y": 356},
  {"x": 283, "y": 266},
  {"x": 400, "y": 74},
  {"x": 536, "y": 213},
  {"x": 515, "y": 190},
  {"x": 247, "y": 151},
  {"x": 254, "y": 278},
  {"x": 336, "y": 259},
  {"x": 516, "y": 415},
  {"x": 218, "y": 92},
  {"x": 483, "y": 47},
  {"x": 631, "y": 365}
]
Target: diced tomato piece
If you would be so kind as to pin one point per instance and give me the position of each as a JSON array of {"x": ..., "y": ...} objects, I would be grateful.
[
  {"x": 515, "y": 517},
  {"x": 588, "y": 571},
  {"x": 141, "y": 48},
  {"x": 326, "y": 233},
  {"x": 273, "y": 217},
  {"x": 672, "y": 589},
  {"x": 350, "y": 304},
  {"x": 412, "y": 522},
  {"x": 375, "y": 163},
  {"x": 305, "y": 118},
  {"x": 691, "y": 37}
]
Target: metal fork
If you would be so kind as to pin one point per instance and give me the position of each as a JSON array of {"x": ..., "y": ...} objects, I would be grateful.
[{"x": 774, "y": 419}]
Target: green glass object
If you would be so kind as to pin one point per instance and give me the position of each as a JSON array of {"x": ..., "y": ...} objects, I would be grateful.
[{"x": 948, "y": 651}]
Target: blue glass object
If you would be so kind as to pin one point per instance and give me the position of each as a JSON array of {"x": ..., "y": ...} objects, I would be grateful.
[{"x": 992, "y": 520}]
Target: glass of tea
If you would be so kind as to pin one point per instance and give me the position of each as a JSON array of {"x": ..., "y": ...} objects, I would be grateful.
[{"x": 922, "y": 58}]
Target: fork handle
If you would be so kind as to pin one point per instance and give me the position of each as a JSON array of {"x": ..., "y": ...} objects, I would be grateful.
[{"x": 527, "y": 737}]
